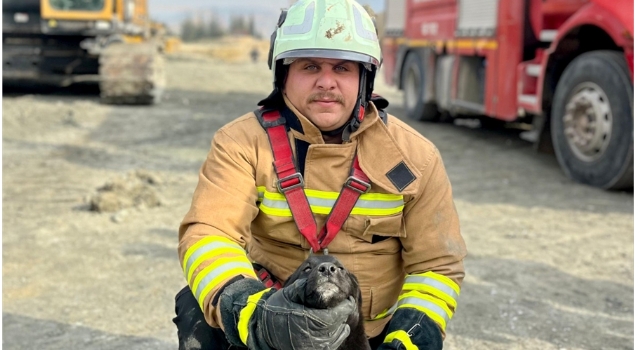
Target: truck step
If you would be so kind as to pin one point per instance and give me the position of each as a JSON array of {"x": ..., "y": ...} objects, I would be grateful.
[
  {"x": 533, "y": 70},
  {"x": 548, "y": 35},
  {"x": 528, "y": 99}
]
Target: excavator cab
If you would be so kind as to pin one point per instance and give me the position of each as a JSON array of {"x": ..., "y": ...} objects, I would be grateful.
[{"x": 63, "y": 42}]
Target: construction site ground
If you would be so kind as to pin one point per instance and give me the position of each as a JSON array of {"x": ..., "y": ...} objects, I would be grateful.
[{"x": 92, "y": 196}]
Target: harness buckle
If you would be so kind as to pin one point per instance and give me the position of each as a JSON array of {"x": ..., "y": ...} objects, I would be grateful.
[
  {"x": 357, "y": 185},
  {"x": 296, "y": 176}
]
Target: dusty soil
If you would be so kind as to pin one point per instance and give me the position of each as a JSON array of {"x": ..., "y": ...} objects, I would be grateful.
[{"x": 550, "y": 262}]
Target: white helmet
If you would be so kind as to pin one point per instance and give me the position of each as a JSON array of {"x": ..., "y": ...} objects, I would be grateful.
[{"x": 337, "y": 29}]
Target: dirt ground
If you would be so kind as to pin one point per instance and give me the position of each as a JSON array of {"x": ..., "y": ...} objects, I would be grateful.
[{"x": 550, "y": 262}]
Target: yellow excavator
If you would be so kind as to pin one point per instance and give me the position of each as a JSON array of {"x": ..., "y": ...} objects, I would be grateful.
[{"x": 61, "y": 42}]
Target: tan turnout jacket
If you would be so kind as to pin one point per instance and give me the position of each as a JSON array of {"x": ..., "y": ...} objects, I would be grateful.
[{"x": 379, "y": 249}]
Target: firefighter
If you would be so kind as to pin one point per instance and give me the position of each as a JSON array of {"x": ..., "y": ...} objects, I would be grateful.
[
  {"x": 254, "y": 53},
  {"x": 319, "y": 168}
]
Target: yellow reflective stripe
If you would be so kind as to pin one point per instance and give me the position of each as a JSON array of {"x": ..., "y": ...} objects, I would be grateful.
[
  {"x": 321, "y": 202},
  {"x": 246, "y": 313},
  {"x": 276, "y": 196},
  {"x": 433, "y": 291},
  {"x": 433, "y": 307},
  {"x": 275, "y": 212},
  {"x": 365, "y": 196},
  {"x": 376, "y": 212},
  {"x": 386, "y": 312},
  {"x": 219, "y": 266},
  {"x": 212, "y": 254},
  {"x": 442, "y": 279},
  {"x": 403, "y": 337},
  {"x": 436, "y": 284},
  {"x": 214, "y": 283},
  {"x": 202, "y": 242},
  {"x": 325, "y": 210},
  {"x": 329, "y": 195},
  {"x": 218, "y": 271}
]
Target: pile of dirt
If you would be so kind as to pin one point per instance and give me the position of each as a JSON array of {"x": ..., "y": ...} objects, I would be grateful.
[{"x": 135, "y": 189}]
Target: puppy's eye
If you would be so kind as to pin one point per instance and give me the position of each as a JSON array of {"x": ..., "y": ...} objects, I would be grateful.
[{"x": 307, "y": 269}]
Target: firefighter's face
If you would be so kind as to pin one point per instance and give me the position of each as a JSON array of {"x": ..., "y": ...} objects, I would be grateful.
[{"x": 324, "y": 90}]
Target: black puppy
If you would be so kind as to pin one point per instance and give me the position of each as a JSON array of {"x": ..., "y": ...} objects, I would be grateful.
[{"x": 328, "y": 284}]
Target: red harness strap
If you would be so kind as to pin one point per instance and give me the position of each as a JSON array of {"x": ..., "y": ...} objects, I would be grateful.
[
  {"x": 267, "y": 279},
  {"x": 291, "y": 185},
  {"x": 356, "y": 184}
]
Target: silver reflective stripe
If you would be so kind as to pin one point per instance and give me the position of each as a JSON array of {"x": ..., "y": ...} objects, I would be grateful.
[
  {"x": 433, "y": 283},
  {"x": 329, "y": 203},
  {"x": 360, "y": 30},
  {"x": 306, "y": 24},
  {"x": 362, "y": 203},
  {"x": 275, "y": 204},
  {"x": 217, "y": 272},
  {"x": 425, "y": 304},
  {"x": 207, "y": 248}
]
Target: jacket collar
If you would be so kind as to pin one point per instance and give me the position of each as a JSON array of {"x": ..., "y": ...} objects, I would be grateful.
[
  {"x": 378, "y": 151},
  {"x": 309, "y": 133}
]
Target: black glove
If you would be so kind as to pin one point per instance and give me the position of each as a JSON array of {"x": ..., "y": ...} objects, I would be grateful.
[
  {"x": 412, "y": 327},
  {"x": 279, "y": 320}
]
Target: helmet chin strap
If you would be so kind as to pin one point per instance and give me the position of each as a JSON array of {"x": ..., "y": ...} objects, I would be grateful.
[
  {"x": 365, "y": 89},
  {"x": 357, "y": 116}
]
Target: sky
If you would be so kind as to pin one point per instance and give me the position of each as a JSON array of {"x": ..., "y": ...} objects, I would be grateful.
[{"x": 265, "y": 12}]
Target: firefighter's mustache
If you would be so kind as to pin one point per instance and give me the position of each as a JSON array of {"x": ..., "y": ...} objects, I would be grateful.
[{"x": 319, "y": 96}]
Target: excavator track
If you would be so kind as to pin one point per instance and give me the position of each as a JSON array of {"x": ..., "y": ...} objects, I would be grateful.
[{"x": 131, "y": 73}]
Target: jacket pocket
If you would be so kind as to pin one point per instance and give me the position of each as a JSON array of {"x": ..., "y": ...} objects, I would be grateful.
[
  {"x": 378, "y": 306},
  {"x": 380, "y": 228}
]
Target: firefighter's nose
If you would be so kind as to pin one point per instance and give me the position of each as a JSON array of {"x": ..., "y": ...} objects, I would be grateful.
[{"x": 327, "y": 269}]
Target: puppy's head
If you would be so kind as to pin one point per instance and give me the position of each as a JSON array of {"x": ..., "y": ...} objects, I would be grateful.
[{"x": 328, "y": 282}]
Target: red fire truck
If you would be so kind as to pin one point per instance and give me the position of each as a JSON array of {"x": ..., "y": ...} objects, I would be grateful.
[{"x": 563, "y": 67}]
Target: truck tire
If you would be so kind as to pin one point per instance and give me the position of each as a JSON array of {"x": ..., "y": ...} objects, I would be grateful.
[
  {"x": 414, "y": 75},
  {"x": 592, "y": 121}
]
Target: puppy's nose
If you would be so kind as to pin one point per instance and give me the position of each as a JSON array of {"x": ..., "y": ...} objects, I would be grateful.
[{"x": 327, "y": 268}]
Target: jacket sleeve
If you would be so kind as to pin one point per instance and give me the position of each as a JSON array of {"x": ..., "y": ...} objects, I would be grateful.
[
  {"x": 214, "y": 233},
  {"x": 433, "y": 248}
]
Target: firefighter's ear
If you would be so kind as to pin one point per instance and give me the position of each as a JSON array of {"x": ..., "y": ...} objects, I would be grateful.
[{"x": 285, "y": 75}]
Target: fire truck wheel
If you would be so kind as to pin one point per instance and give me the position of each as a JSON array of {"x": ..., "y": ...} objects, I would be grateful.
[
  {"x": 414, "y": 76},
  {"x": 592, "y": 120}
]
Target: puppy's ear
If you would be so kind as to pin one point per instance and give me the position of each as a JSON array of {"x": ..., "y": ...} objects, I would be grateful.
[
  {"x": 354, "y": 288},
  {"x": 294, "y": 277},
  {"x": 290, "y": 280}
]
